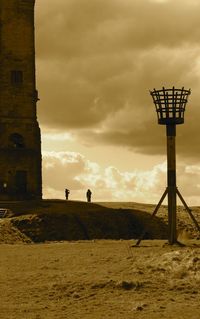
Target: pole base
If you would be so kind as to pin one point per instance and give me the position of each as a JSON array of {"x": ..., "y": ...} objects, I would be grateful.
[{"x": 174, "y": 242}]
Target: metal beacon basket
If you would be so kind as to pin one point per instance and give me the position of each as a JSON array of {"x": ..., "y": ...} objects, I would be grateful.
[{"x": 170, "y": 105}]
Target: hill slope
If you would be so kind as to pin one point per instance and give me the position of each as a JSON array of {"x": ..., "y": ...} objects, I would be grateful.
[{"x": 55, "y": 220}]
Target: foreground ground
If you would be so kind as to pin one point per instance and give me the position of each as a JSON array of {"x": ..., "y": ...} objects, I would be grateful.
[{"x": 99, "y": 280}]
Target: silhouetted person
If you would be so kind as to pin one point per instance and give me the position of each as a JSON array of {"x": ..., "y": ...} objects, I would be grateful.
[
  {"x": 67, "y": 193},
  {"x": 88, "y": 195}
]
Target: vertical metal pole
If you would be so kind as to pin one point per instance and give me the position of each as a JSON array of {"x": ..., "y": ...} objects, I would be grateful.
[{"x": 171, "y": 182}]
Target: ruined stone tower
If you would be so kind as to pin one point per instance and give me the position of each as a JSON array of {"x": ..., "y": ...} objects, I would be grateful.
[{"x": 20, "y": 143}]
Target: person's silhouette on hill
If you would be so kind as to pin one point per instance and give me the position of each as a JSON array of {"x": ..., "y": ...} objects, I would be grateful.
[
  {"x": 67, "y": 193},
  {"x": 88, "y": 195}
]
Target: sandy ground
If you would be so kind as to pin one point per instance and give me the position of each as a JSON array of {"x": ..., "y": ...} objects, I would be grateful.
[{"x": 99, "y": 279}]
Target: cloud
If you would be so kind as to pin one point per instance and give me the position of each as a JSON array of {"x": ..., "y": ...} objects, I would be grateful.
[
  {"x": 60, "y": 169},
  {"x": 97, "y": 60},
  {"x": 73, "y": 171}
]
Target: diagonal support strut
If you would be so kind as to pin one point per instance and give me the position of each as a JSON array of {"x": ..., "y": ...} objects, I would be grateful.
[
  {"x": 158, "y": 206},
  {"x": 153, "y": 214},
  {"x": 188, "y": 209}
]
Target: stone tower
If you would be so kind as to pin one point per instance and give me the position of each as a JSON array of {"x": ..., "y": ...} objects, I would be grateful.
[{"x": 20, "y": 142}]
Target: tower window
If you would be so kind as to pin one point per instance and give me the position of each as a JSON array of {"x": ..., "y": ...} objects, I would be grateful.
[
  {"x": 17, "y": 140},
  {"x": 16, "y": 77}
]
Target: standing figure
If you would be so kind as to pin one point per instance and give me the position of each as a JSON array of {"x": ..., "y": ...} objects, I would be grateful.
[
  {"x": 88, "y": 195},
  {"x": 67, "y": 193}
]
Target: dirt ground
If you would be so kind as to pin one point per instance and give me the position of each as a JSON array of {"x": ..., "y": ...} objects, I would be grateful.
[{"x": 100, "y": 280}]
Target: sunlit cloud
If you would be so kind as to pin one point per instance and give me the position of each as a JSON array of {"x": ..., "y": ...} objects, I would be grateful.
[
  {"x": 73, "y": 171},
  {"x": 159, "y": 1},
  {"x": 57, "y": 137}
]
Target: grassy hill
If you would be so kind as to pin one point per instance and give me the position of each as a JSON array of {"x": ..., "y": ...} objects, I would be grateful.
[{"x": 56, "y": 220}]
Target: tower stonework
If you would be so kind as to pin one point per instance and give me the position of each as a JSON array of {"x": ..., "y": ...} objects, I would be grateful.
[{"x": 20, "y": 142}]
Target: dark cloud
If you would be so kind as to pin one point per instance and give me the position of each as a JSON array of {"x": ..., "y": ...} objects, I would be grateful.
[
  {"x": 97, "y": 60},
  {"x": 72, "y": 28}
]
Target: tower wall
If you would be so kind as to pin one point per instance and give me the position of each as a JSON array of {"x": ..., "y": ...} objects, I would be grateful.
[{"x": 20, "y": 142}]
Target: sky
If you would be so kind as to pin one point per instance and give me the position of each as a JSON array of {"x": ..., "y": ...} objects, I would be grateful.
[{"x": 96, "y": 61}]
